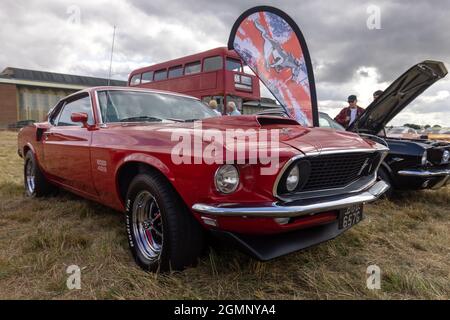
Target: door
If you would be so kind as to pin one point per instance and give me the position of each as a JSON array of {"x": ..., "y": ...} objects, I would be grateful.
[{"x": 67, "y": 146}]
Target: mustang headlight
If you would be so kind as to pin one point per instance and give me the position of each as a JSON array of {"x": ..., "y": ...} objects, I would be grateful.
[
  {"x": 292, "y": 179},
  {"x": 424, "y": 158},
  {"x": 445, "y": 156},
  {"x": 226, "y": 179}
]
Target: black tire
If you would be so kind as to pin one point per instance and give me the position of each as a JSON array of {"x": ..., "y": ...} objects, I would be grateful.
[
  {"x": 182, "y": 237},
  {"x": 36, "y": 185},
  {"x": 384, "y": 175}
]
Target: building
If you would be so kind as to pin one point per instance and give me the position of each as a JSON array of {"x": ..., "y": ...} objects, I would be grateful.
[
  {"x": 264, "y": 104},
  {"x": 29, "y": 95}
]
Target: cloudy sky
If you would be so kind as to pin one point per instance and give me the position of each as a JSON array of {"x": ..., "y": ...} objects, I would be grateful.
[{"x": 348, "y": 56}]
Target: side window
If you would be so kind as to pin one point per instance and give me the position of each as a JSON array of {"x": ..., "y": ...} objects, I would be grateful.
[
  {"x": 135, "y": 80},
  {"x": 161, "y": 75},
  {"x": 192, "y": 68},
  {"x": 80, "y": 105},
  {"x": 147, "y": 77},
  {"x": 212, "y": 64},
  {"x": 175, "y": 72}
]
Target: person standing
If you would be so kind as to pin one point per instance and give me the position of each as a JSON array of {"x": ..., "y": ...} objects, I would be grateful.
[
  {"x": 232, "y": 110},
  {"x": 213, "y": 106},
  {"x": 349, "y": 114},
  {"x": 377, "y": 94}
]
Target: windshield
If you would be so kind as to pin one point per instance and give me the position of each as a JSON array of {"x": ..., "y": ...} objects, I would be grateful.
[
  {"x": 136, "y": 106},
  {"x": 396, "y": 130}
]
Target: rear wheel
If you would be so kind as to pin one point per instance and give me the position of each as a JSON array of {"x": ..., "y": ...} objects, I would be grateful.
[
  {"x": 162, "y": 233},
  {"x": 36, "y": 185}
]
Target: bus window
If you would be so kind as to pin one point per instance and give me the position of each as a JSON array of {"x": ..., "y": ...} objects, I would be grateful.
[
  {"x": 212, "y": 64},
  {"x": 192, "y": 68},
  {"x": 234, "y": 65},
  {"x": 175, "y": 72},
  {"x": 135, "y": 80},
  {"x": 161, "y": 75},
  {"x": 147, "y": 77}
]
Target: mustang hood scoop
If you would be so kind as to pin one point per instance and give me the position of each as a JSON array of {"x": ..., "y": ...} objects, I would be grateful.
[
  {"x": 268, "y": 121},
  {"x": 398, "y": 95}
]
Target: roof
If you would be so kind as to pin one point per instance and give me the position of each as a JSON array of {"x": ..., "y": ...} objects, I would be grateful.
[{"x": 27, "y": 77}]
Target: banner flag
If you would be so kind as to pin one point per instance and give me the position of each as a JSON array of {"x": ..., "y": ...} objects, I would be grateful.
[{"x": 271, "y": 44}]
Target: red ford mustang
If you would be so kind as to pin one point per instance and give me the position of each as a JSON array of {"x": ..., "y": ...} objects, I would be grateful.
[{"x": 121, "y": 147}]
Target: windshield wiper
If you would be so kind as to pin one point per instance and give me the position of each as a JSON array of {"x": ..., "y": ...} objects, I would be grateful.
[{"x": 142, "y": 118}]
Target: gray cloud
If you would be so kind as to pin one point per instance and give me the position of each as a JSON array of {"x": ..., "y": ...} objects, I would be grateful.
[{"x": 37, "y": 34}]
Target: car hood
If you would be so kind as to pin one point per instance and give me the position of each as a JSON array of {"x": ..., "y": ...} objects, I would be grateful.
[
  {"x": 291, "y": 133},
  {"x": 398, "y": 95}
]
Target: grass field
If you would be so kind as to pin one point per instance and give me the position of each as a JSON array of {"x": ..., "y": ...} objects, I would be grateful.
[{"x": 408, "y": 239}]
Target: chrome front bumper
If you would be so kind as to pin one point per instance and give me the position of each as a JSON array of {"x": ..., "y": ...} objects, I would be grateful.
[
  {"x": 421, "y": 173},
  {"x": 306, "y": 207}
]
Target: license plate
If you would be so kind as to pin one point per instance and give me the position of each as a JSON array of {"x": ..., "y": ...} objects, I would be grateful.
[{"x": 350, "y": 216}]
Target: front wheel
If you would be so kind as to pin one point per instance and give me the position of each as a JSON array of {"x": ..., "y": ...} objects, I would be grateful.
[{"x": 162, "y": 233}]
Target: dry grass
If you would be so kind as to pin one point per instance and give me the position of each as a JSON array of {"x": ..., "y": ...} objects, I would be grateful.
[{"x": 408, "y": 238}]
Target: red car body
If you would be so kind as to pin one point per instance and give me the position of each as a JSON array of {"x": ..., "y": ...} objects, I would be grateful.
[{"x": 99, "y": 161}]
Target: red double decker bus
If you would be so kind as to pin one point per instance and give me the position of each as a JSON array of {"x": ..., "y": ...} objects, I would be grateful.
[{"x": 214, "y": 74}]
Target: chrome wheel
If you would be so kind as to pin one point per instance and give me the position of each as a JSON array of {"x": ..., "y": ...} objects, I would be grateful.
[
  {"x": 30, "y": 176},
  {"x": 147, "y": 225}
]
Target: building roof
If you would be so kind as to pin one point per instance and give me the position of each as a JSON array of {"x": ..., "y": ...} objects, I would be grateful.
[{"x": 25, "y": 76}]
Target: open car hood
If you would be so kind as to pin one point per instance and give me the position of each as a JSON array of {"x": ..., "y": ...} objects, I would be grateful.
[{"x": 398, "y": 95}]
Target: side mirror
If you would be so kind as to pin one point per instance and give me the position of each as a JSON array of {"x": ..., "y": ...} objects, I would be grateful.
[{"x": 80, "y": 117}]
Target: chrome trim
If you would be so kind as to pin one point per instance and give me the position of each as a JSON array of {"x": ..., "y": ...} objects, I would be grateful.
[
  {"x": 380, "y": 148},
  {"x": 276, "y": 210},
  {"x": 424, "y": 173},
  {"x": 99, "y": 111}
]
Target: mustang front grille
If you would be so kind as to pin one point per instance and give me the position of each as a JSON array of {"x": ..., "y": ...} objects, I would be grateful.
[{"x": 331, "y": 171}]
